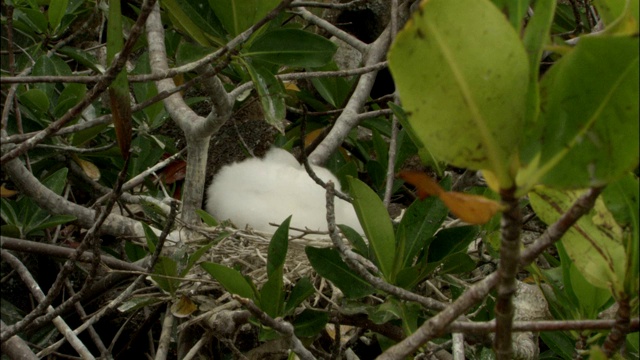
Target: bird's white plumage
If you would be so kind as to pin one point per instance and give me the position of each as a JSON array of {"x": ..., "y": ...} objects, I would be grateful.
[{"x": 257, "y": 192}]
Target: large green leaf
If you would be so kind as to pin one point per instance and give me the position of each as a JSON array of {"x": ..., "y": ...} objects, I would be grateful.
[
  {"x": 594, "y": 243},
  {"x": 237, "y": 16},
  {"x": 310, "y": 322},
  {"x": 328, "y": 264},
  {"x": 376, "y": 224},
  {"x": 271, "y": 93},
  {"x": 300, "y": 292},
  {"x": 272, "y": 292},
  {"x": 163, "y": 268},
  {"x": 292, "y": 47},
  {"x": 185, "y": 22},
  {"x": 465, "y": 98},
  {"x": 334, "y": 90},
  {"x": 589, "y": 118}
]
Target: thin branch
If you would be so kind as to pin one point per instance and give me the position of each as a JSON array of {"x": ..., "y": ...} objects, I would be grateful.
[
  {"x": 279, "y": 325},
  {"x": 33, "y": 247},
  {"x": 165, "y": 335},
  {"x": 480, "y": 327},
  {"x": 32, "y": 285},
  {"x": 332, "y": 29}
]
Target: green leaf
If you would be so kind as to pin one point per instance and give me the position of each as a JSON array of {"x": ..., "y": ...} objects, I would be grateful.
[
  {"x": 237, "y": 16},
  {"x": 272, "y": 296},
  {"x": 56, "y": 181},
  {"x": 83, "y": 57},
  {"x": 146, "y": 90},
  {"x": 193, "y": 258},
  {"x": 69, "y": 97},
  {"x": 334, "y": 90},
  {"x": 207, "y": 218},
  {"x": 167, "y": 267},
  {"x": 35, "y": 99},
  {"x": 561, "y": 344},
  {"x": 589, "y": 119},
  {"x": 377, "y": 226},
  {"x": 420, "y": 222},
  {"x": 277, "y": 252},
  {"x": 425, "y": 155},
  {"x": 450, "y": 241},
  {"x": 232, "y": 280},
  {"x": 328, "y": 264},
  {"x": 201, "y": 15},
  {"x": 33, "y": 19},
  {"x": 271, "y": 93},
  {"x": 188, "y": 52},
  {"x": 184, "y": 22},
  {"x": 621, "y": 198},
  {"x": 53, "y": 221},
  {"x": 310, "y": 322},
  {"x": 300, "y": 292},
  {"x": 152, "y": 238},
  {"x": 355, "y": 240},
  {"x": 134, "y": 252},
  {"x": 292, "y": 47},
  {"x": 57, "y": 9},
  {"x": 449, "y": 80},
  {"x": 594, "y": 243},
  {"x": 536, "y": 36}
]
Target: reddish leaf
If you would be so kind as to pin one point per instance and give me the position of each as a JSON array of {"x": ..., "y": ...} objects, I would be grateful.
[
  {"x": 424, "y": 184},
  {"x": 175, "y": 171},
  {"x": 472, "y": 209}
]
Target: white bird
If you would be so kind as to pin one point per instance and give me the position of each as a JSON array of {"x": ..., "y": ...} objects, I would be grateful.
[{"x": 257, "y": 192}]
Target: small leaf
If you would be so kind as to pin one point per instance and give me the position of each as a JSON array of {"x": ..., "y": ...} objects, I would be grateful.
[
  {"x": 271, "y": 93},
  {"x": 232, "y": 280},
  {"x": 183, "y": 307},
  {"x": 328, "y": 264},
  {"x": 4, "y": 192},
  {"x": 424, "y": 184},
  {"x": 57, "y": 9},
  {"x": 83, "y": 57},
  {"x": 207, "y": 218},
  {"x": 292, "y": 47},
  {"x": 310, "y": 322},
  {"x": 166, "y": 267},
  {"x": 89, "y": 168},
  {"x": 472, "y": 209},
  {"x": 300, "y": 292}
]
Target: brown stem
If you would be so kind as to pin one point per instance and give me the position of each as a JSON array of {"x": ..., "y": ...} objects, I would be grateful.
[
  {"x": 620, "y": 329},
  {"x": 507, "y": 270}
]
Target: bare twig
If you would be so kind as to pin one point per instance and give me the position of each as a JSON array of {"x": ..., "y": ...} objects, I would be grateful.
[{"x": 31, "y": 284}]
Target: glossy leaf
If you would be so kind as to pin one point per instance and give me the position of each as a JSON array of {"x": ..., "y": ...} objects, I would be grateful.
[
  {"x": 419, "y": 223},
  {"x": 166, "y": 267},
  {"x": 334, "y": 90},
  {"x": 328, "y": 264},
  {"x": 449, "y": 80},
  {"x": 272, "y": 291},
  {"x": 83, "y": 57},
  {"x": 376, "y": 223},
  {"x": 300, "y": 292},
  {"x": 237, "y": 16},
  {"x": 69, "y": 97},
  {"x": 207, "y": 218},
  {"x": 292, "y": 47},
  {"x": 184, "y": 22},
  {"x": 231, "y": 279},
  {"x": 56, "y": 11},
  {"x": 589, "y": 119},
  {"x": 35, "y": 99},
  {"x": 310, "y": 322},
  {"x": 271, "y": 93},
  {"x": 593, "y": 244}
]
